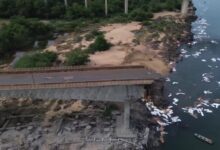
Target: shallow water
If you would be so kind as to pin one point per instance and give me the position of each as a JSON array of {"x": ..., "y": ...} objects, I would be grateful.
[{"x": 198, "y": 75}]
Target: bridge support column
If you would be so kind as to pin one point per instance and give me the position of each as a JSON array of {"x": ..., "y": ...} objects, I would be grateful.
[
  {"x": 123, "y": 123},
  {"x": 185, "y": 5},
  {"x": 127, "y": 108}
]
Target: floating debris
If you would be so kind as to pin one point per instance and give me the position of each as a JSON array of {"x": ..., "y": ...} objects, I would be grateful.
[
  {"x": 213, "y": 59},
  {"x": 207, "y": 92},
  {"x": 214, "y": 42},
  {"x": 165, "y": 115},
  {"x": 174, "y": 83},
  {"x": 168, "y": 79},
  {"x": 196, "y": 54},
  {"x": 204, "y": 139},
  {"x": 175, "y": 100}
]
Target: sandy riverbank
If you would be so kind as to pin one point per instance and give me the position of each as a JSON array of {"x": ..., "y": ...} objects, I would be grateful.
[{"x": 132, "y": 43}]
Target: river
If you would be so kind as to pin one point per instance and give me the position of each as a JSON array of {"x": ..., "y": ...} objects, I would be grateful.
[{"x": 198, "y": 75}]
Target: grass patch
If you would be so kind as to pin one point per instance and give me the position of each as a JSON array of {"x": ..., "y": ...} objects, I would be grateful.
[{"x": 37, "y": 59}]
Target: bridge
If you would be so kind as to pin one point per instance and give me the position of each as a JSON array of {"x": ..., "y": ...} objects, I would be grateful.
[
  {"x": 184, "y": 9},
  {"x": 113, "y": 84}
]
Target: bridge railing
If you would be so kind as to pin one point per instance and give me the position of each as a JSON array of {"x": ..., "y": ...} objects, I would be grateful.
[{"x": 66, "y": 68}]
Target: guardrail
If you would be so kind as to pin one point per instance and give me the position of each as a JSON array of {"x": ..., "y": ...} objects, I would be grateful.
[
  {"x": 64, "y": 69},
  {"x": 75, "y": 85}
]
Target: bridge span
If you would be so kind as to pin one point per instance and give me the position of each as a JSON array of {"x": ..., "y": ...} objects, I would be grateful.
[{"x": 114, "y": 84}]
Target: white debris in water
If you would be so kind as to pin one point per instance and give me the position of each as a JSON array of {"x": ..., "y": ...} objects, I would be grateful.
[
  {"x": 218, "y": 82},
  {"x": 187, "y": 56},
  {"x": 196, "y": 54},
  {"x": 176, "y": 119},
  {"x": 204, "y": 60},
  {"x": 170, "y": 95},
  {"x": 201, "y": 108},
  {"x": 165, "y": 115},
  {"x": 214, "y": 42},
  {"x": 173, "y": 69},
  {"x": 209, "y": 66},
  {"x": 202, "y": 50},
  {"x": 194, "y": 42},
  {"x": 183, "y": 51},
  {"x": 206, "y": 79},
  {"x": 175, "y": 101},
  {"x": 180, "y": 93},
  {"x": 208, "y": 110},
  {"x": 207, "y": 92},
  {"x": 218, "y": 59},
  {"x": 213, "y": 60},
  {"x": 174, "y": 83},
  {"x": 168, "y": 79},
  {"x": 215, "y": 105},
  {"x": 207, "y": 76}
]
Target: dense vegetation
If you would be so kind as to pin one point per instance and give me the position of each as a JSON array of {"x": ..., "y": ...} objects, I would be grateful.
[
  {"x": 20, "y": 34},
  {"x": 77, "y": 57},
  {"x": 22, "y": 31},
  {"x": 76, "y": 8},
  {"x": 37, "y": 59}
]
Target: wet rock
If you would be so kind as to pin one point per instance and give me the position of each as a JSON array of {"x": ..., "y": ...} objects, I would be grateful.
[
  {"x": 92, "y": 123},
  {"x": 30, "y": 139},
  {"x": 46, "y": 130},
  {"x": 75, "y": 122},
  {"x": 106, "y": 129},
  {"x": 68, "y": 129},
  {"x": 18, "y": 124},
  {"x": 30, "y": 128},
  {"x": 37, "y": 137},
  {"x": 88, "y": 127},
  {"x": 116, "y": 113},
  {"x": 107, "y": 123},
  {"x": 82, "y": 125}
]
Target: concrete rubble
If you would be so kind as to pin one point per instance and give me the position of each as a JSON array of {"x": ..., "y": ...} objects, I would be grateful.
[{"x": 91, "y": 128}]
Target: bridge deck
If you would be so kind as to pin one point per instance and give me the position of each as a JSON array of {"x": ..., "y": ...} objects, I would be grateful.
[{"x": 76, "y": 78}]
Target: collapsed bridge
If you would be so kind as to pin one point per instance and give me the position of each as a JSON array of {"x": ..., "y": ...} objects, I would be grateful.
[{"x": 114, "y": 84}]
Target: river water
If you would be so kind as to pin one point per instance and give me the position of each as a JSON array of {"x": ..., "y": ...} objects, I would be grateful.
[{"x": 197, "y": 77}]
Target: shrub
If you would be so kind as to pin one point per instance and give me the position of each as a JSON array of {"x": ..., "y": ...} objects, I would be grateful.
[
  {"x": 140, "y": 15},
  {"x": 100, "y": 44},
  {"x": 77, "y": 57},
  {"x": 93, "y": 34},
  {"x": 38, "y": 59}
]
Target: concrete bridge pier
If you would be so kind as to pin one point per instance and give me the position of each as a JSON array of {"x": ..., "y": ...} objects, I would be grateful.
[
  {"x": 123, "y": 123},
  {"x": 185, "y": 5}
]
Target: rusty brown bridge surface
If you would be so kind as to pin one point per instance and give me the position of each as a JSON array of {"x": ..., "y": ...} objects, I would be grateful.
[{"x": 93, "y": 83}]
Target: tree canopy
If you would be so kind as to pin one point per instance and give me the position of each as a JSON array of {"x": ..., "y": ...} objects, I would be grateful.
[{"x": 76, "y": 8}]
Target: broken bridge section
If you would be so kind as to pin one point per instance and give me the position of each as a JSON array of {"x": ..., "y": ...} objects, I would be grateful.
[{"x": 114, "y": 84}]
